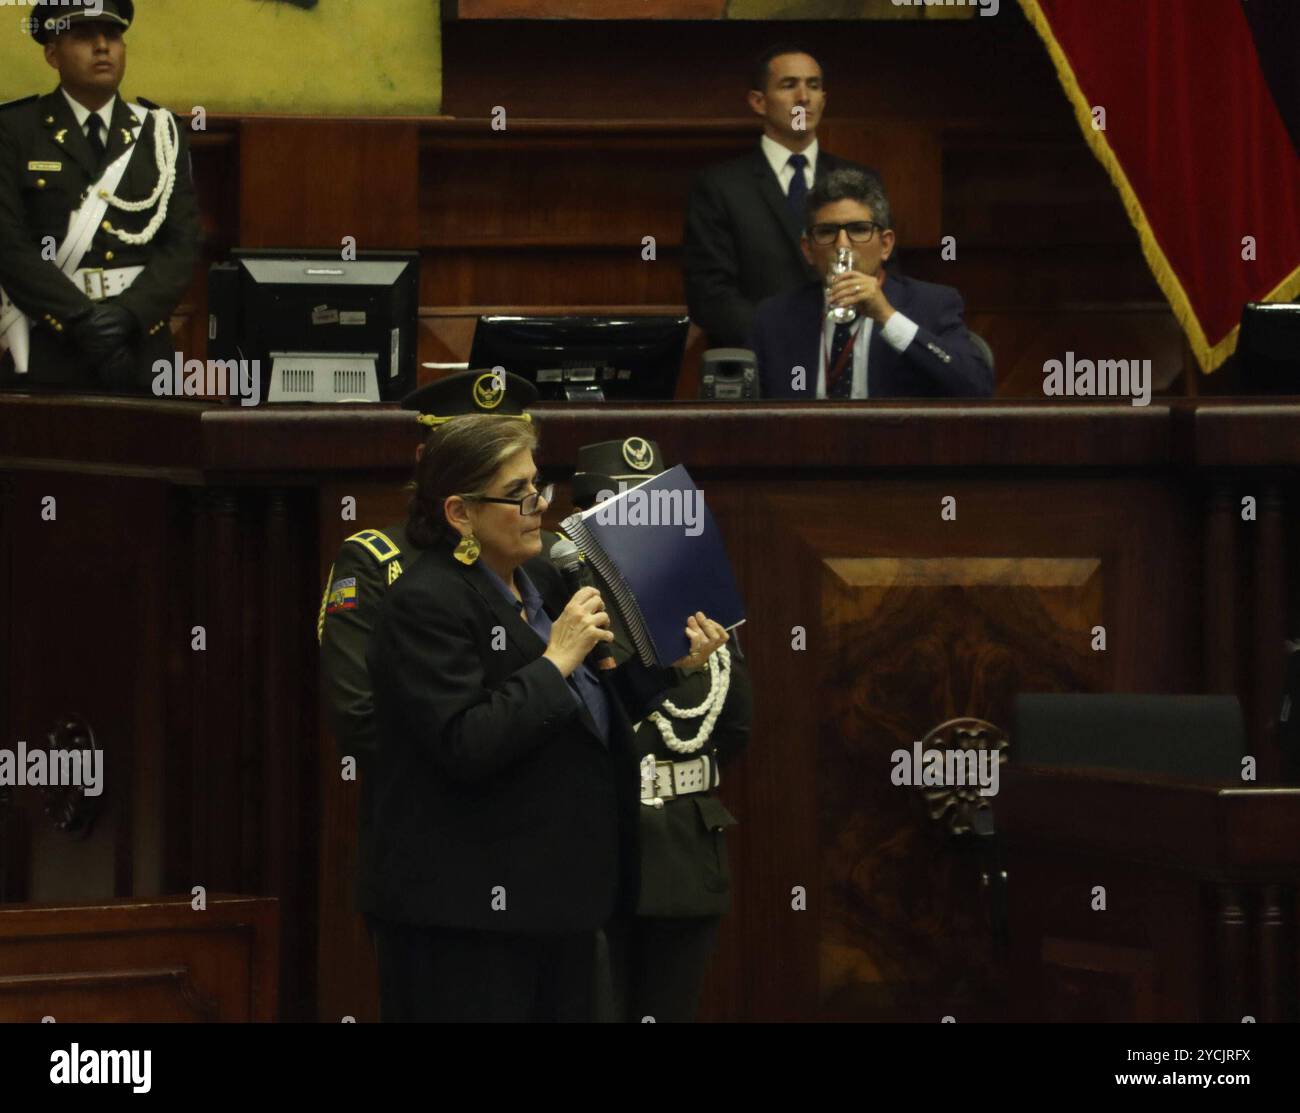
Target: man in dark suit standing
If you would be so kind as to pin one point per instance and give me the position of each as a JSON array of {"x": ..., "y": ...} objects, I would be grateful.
[
  {"x": 906, "y": 338},
  {"x": 744, "y": 217},
  {"x": 99, "y": 227}
]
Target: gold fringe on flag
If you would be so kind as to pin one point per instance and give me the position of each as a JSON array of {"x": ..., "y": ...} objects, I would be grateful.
[{"x": 1208, "y": 355}]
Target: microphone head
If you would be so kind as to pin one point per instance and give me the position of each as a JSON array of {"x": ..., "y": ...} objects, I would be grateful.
[{"x": 565, "y": 555}]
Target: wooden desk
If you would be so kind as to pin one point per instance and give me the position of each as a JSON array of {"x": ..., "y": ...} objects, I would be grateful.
[
  {"x": 1199, "y": 883},
  {"x": 156, "y": 961},
  {"x": 172, "y": 516}
]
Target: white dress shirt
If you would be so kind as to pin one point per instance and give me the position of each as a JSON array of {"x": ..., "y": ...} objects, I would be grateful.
[
  {"x": 83, "y": 114},
  {"x": 899, "y": 331},
  {"x": 778, "y": 158}
]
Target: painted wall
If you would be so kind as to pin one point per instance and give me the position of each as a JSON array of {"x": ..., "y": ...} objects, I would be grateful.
[
  {"x": 341, "y": 57},
  {"x": 713, "y": 9}
]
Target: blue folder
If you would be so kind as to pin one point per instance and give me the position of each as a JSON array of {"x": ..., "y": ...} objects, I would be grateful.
[{"x": 659, "y": 550}]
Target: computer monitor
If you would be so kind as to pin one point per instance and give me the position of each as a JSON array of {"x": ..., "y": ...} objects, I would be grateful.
[
  {"x": 580, "y": 358},
  {"x": 323, "y": 329},
  {"x": 1268, "y": 347}
]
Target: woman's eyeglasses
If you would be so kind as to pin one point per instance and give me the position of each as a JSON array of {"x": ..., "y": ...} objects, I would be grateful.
[{"x": 527, "y": 505}]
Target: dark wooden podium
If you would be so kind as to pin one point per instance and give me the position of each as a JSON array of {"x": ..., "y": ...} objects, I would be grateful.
[
  {"x": 1200, "y": 886},
  {"x": 902, "y": 564}
]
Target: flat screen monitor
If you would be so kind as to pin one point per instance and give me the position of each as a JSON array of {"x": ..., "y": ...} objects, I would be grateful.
[
  {"x": 1268, "y": 347},
  {"x": 571, "y": 358},
  {"x": 322, "y": 328}
]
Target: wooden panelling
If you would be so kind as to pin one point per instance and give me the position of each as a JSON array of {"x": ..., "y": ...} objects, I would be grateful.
[
  {"x": 946, "y": 637},
  {"x": 606, "y": 184},
  {"x": 310, "y": 183},
  {"x": 1200, "y": 918},
  {"x": 1067, "y": 517},
  {"x": 977, "y": 71},
  {"x": 155, "y": 961},
  {"x": 1024, "y": 340}
]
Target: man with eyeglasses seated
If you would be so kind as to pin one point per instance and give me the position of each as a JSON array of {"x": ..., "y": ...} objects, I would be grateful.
[{"x": 906, "y": 339}]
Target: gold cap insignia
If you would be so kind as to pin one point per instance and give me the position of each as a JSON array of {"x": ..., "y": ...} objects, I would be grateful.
[
  {"x": 638, "y": 453},
  {"x": 489, "y": 390}
]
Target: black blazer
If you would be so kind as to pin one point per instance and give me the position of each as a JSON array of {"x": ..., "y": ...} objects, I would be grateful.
[
  {"x": 488, "y": 772},
  {"x": 741, "y": 243},
  {"x": 45, "y": 167},
  {"x": 941, "y": 361}
]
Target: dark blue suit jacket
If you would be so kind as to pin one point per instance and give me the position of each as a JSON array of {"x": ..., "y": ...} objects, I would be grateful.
[
  {"x": 741, "y": 243},
  {"x": 942, "y": 361}
]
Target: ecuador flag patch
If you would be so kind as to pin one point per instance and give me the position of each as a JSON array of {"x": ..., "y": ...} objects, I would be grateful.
[{"x": 342, "y": 596}]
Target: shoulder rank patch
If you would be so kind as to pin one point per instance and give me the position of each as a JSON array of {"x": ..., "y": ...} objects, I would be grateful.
[
  {"x": 19, "y": 102},
  {"x": 379, "y": 545},
  {"x": 342, "y": 595}
]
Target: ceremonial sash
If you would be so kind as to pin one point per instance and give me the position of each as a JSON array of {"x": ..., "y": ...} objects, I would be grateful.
[{"x": 15, "y": 325}]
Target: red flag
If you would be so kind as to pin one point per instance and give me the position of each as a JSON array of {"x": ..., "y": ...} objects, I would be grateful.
[{"x": 1174, "y": 99}]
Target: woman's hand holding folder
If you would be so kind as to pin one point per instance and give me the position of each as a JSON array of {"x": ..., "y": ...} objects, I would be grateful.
[{"x": 705, "y": 637}]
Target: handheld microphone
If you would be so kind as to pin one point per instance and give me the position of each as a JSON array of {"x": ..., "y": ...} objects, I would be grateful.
[{"x": 565, "y": 556}]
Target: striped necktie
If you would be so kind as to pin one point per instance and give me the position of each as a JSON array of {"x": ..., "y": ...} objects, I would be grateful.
[{"x": 841, "y": 386}]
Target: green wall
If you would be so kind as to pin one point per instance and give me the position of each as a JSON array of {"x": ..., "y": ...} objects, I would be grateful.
[{"x": 345, "y": 57}]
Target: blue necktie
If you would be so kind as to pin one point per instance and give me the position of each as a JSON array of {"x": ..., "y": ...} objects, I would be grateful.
[
  {"x": 798, "y": 186},
  {"x": 843, "y": 386},
  {"x": 582, "y": 680}
]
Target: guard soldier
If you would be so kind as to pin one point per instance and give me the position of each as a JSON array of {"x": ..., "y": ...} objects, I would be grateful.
[
  {"x": 659, "y": 956},
  {"x": 99, "y": 229},
  {"x": 371, "y": 560}
]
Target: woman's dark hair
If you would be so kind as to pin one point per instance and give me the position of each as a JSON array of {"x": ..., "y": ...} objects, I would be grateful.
[{"x": 460, "y": 458}]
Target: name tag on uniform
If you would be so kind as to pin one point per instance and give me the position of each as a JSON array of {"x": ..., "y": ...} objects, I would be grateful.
[{"x": 49, "y": 167}]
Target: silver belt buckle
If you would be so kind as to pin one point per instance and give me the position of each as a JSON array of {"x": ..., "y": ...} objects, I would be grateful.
[
  {"x": 649, "y": 783},
  {"x": 670, "y": 792},
  {"x": 92, "y": 281},
  {"x": 652, "y": 796},
  {"x": 698, "y": 768}
]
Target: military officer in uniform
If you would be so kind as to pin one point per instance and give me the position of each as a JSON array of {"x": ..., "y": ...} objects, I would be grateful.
[
  {"x": 99, "y": 228},
  {"x": 659, "y": 957},
  {"x": 371, "y": 560}
]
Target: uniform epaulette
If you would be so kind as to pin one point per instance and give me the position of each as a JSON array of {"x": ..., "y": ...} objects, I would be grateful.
[
  {"x": 145, "y": 103},
  {"x": 378, "y": 544},
  {"x": 19, "y": 102}
]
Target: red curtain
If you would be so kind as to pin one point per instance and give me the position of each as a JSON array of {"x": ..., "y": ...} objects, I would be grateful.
[{"x": 1196, "y": 145}]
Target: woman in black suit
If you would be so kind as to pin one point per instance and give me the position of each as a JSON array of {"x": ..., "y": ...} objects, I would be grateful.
[{"x": 505, "y": 790}]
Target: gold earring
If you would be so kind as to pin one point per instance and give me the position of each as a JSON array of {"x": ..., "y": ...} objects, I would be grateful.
[{"x": 468, "y": 549}]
